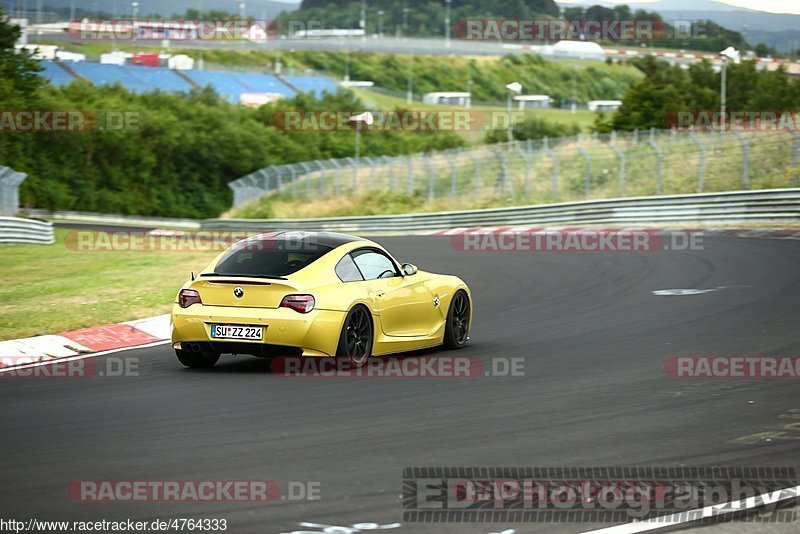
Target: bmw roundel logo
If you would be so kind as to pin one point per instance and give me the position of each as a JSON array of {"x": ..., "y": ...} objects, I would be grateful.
[{"x": 238, "y": 292}]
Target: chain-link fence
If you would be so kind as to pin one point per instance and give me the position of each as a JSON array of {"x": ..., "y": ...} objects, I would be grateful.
[
  {"x": 595, "y": 166},
  {"x": 9, "y": 191}
]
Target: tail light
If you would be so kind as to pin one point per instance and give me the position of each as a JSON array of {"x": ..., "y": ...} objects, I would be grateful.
[
  {"x": 299, "y": 303},
  {"x": 187, "y": 297}
]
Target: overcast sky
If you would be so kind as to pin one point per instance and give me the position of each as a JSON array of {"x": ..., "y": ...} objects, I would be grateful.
[{"x": 773, "y": 6}]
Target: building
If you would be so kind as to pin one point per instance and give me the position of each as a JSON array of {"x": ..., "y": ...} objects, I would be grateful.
[
  {"x": 608, "y": 106},
  {"x": 453, "y": 98},
  {"x": 532, "y": 101}
]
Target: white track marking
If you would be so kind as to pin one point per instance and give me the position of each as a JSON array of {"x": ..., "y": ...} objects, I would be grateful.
[
  {"x": 157, "y": 326},
  {"x": 682, "y": 292},
  {"x": 715, "y": 510}
]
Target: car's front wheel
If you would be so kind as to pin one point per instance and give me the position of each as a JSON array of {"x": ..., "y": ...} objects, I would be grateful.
[
  {"x": 355, "y": 341},
  {"x": 456, "y": 331},
  {"x": 197, "y": 360}
]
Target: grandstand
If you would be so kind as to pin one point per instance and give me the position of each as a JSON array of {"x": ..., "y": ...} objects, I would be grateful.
[
  {"x": 313, "y": 84},
  {"x": 57, "y": 75},
  {"x": 263, "y": 83},
  {"x": 140, "y": 79}
]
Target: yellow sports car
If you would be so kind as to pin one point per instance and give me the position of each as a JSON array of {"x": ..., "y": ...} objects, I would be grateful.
[{"x": 315, "y": 294}]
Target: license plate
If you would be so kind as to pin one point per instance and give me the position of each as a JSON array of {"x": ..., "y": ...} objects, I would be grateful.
[{"x": 227, "y": 331}]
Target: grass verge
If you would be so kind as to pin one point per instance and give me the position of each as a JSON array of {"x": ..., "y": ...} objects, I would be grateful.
[{"x": 49, "y": 288}]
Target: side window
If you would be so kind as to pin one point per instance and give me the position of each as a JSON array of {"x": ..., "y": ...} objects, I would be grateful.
[
  {"x": 374, "y": 264},
  {"x": 347, "y": 271}
]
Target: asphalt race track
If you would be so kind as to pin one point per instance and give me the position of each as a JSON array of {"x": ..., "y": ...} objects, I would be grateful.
[{"x": 594, "y": 339}]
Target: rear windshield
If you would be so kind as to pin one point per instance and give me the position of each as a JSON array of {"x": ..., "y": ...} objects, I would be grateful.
[{"x": 269, "y": 257}]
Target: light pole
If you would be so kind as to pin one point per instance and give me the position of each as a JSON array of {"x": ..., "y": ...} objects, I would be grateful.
[
  {"x": 410, "y": 83},
  {"x": 513, "y": 88},
  {"x": 363, "y": 22},
  {"x": 380, "y": 23},
  {"x": 366, "y": 118},
  {"x": 729, "y": 53},
  {"x": 134, "y": 10},
  {"x": 405, "y": 21},
  {"x": 447, "y": 23}
]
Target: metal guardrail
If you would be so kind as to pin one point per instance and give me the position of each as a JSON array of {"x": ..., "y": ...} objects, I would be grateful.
[
  {"x": 105, "y": 219},
  {"x": 738, "y": 207},
  {"x": 16, "y": 230},
  {"x": 778, "y": 206}
]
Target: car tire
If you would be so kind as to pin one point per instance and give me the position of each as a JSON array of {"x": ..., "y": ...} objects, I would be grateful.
[
  {"x": 197, "y": 360},
  {"x": 356, "y": 338},
  {"x": 456, "y": 330}
]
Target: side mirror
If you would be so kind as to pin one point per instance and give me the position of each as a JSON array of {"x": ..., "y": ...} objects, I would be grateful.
[{"x": 409, "y": 269}]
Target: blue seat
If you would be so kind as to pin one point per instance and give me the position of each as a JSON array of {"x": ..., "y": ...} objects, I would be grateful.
[
  {"x": 160, "y": 78},
  {"x": 55, "y": 74},
  {"x": 101, "y": 74},
  {"x": 263, "y": 83},
  {"x": 313, "y": 84},
  {"x": 223, "y": 83}
]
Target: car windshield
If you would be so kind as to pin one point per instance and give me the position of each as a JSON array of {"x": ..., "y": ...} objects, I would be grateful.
[{"x": 269, "y": 257}]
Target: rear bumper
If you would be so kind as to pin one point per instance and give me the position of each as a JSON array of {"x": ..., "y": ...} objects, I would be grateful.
[{"x": 315, "y": 333}]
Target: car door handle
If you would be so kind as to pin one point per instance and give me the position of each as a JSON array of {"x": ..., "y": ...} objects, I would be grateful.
[{"x": 379, "y": 293}]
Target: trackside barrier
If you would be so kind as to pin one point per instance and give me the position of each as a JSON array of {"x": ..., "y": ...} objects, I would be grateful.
[
  {"x": 16, "y": 230},
  {"x": 106, "y": 219},
  {"x": 769, "y": 206},
  {"x": 781, "y": 206}
]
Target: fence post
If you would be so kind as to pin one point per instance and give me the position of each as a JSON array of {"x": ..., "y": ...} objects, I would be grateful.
[
  {"x": 552, "y": 153},
  {"x": 587, "y": 173},
  {"x": 621, "y": 155},
  {"x": 390, "y": 175},
  {"x": 526, "y": 158},
  {"x": 306, "y": 171},
  {"x": 453, "y": 172},
  {"x": 264, "y": 175},
  {"x": 279, "y": 170},
  {"x": 372, "y": 170},
  {"x": 701, "y": 171},
  {"x": 321, "y": 178},
  {"x": 410, "y": 180},
  {"x": 745, "y": 159},
  {"x": 431, "y": 176},
  {"x": 795, "y": 155},
  {"x": 293, "y": 180},
  {"x": 337, "y": 178},
  {"x": 636, "y": 136},
  {"x": 502, "y": 174},
  {"x": 476, "y": 181},
  {"x": 659, "y": 164}
]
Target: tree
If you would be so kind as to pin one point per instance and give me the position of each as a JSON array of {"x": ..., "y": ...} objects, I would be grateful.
[{"x": 18, "y": 79}]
